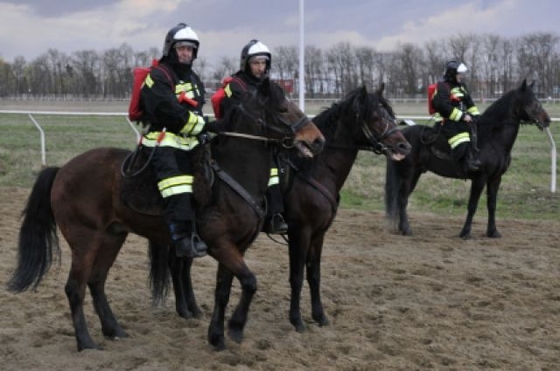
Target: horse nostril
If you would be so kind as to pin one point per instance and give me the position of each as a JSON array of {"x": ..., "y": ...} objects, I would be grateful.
[
  {"x": 404, "y": 147},
  {"x": 318, "y": 145}
]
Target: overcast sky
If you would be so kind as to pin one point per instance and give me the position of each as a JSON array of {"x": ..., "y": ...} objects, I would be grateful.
[{"x": 29, "y": 28}]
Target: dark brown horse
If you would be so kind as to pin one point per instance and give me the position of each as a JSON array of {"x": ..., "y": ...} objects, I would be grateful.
[
  {"x": 360, "y": 121},
  {"x": 497, "y": 131},
  {"x": 83, "y": 198}
]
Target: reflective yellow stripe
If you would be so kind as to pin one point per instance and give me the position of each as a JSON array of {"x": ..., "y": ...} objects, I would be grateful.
[
  {"x": 458, "y": 139},
  {"x": 148, "y": 81},
  {"x": 170, "y": 140},
  {"x": 473, "y": 110},
  {"x": 456, "y": 114},
  {"x": 175, "y": 185},
  {"x": 274, "y": 178},
  {"x": 227, "y": 90}
]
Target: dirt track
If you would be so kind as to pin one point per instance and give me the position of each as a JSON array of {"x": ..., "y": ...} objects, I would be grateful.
[{"x": 431, "y": 301}]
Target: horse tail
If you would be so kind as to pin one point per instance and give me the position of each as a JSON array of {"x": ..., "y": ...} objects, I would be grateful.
[
  {"x": 37, "y": 236},
  {"x": 391, "y": 190},
  {"x": 159, "y": 272}
]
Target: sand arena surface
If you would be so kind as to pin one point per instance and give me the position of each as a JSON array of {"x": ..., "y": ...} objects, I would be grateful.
[{"x": 427, "y": 302}]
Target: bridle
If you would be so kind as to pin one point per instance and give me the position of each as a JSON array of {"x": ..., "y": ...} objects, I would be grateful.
[
  {"x": 532, "y": 114},
  {"x": 376, "y": 141},
  {"x": 287, "y": 141}
]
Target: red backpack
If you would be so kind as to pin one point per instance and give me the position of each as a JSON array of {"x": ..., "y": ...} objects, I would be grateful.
[
  {"x": 431, "y": 92},
  {"x": 217, "y": 97},
  {"x": 135, "y": 112}
]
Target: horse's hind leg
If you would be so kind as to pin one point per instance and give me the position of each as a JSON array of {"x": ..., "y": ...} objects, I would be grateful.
[
  {"x": 106, "y": 256},
  {"x": 90, "y": 264}
]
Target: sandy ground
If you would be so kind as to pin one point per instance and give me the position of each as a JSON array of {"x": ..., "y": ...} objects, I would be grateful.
[{"x": 428, "y": 302}]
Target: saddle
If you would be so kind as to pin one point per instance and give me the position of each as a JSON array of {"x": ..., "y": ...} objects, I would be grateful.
[
  {"x": 436, "y": 142},
  {"x": 139, "y": 189}
]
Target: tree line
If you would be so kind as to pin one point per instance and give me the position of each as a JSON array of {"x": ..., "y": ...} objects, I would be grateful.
[{"x": 496, "y": 64}]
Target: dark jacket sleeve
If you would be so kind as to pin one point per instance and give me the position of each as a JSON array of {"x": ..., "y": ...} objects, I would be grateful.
[
  {"x": 442, "y": 103},
  {"x": 161, "y": 105},
  {"x": 469, "y": 103}
]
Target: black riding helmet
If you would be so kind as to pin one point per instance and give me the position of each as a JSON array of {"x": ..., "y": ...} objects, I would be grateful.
[{"x": 452, "y": 68}]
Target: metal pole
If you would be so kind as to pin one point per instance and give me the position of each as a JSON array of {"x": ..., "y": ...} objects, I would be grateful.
[
  {"x": 553, "y": 161},
  {"x": 301, "y": 59},
  {"x": 42, "y": 133}
]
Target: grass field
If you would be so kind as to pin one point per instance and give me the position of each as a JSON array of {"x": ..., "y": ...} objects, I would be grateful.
[{"x": 525, "y": 190}]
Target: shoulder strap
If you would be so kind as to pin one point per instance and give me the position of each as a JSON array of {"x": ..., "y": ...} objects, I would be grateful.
[
  {"x": 166, "y": 73},
  {"x": 240, "y": 81}
]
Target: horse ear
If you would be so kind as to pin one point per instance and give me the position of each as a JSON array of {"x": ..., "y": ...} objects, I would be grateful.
[
  {"x": 532, "y": 84},
  {"x": 381, "y": 89},
  {"x": 524, "y": 85},
  {"x": 363, "y": 91}
]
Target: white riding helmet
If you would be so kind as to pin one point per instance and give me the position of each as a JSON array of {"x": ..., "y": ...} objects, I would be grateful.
[
  {"x": 252, "y": 49},
  {"x": 181, "y": 35}
]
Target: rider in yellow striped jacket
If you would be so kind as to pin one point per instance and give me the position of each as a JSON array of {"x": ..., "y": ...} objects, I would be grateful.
[
  {"x": 172, "y": 97},
  {"x": 456, "y": 111}
]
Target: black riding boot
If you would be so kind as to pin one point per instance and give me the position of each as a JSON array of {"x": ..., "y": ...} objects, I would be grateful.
[
  {"x": 274, "y": 222},
  {"x": 186, "y": 242},
  {"x": 472, "y": 161}
]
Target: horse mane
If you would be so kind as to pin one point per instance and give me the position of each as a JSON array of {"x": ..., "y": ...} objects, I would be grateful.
[
  {"x": 500, "y": 108},
  {"x": 358, "y": 102}
]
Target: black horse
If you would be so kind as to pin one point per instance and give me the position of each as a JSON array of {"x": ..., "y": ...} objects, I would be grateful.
[
  {"x": 360, "y": 121},
  {"x": 84, "y": 199},
  {"x": 497, "y": 130}
]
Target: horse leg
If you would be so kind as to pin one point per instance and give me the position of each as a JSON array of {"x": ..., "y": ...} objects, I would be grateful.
[
  {"x": 314, "y": 281},
  {"x": 492, "y": 197},
  {"x": 477, "y": 186},
  {"x": 105, "y": 258},
  {"x": 185, "y": 302},
  {"x": 298, "y": 247},
  {"x": 238, "y": 319},
  {"x": 405, "y": 189},
  {"x": 82, "y": 261},
  {"x": 224, "y": 280}
]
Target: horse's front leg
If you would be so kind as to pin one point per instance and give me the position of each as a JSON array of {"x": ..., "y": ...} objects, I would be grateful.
[
  {"x": 314, "y": 280},
  {"x": 477, "y": 185},
  {"x": 238, "y": 320},
  {"x": 224, "y": 279},
  {"x": 492, "y": 199},
  {"x": 185, "y": 302},
  {"x": 298, "y": 247},
  {"x": 405, "y": 189}
]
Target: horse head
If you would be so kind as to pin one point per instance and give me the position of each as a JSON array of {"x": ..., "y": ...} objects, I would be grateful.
[
  {"x": 531, "y": 109},
  {"x": 379, "y": 124},
  {"x": 279, "y": 120}
]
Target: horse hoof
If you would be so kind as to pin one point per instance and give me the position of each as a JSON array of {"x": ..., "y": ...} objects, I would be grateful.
[
  {"x": 236, "y": 335},
  {"x": 493, "y": 234},
  {"x": 322, "y": 321}
]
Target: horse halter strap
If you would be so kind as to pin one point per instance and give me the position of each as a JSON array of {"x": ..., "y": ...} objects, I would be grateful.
[{"x": 377, "y": 146}]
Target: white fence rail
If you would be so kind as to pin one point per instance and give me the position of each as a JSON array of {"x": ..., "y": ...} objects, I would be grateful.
[{"x": 407, "y": 119}]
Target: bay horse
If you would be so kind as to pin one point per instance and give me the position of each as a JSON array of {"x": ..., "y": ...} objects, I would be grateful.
[
  {"x": 83, "y": 198},
  {"x": 362, "y": 120},
  {"x": 497, "y": 131}
]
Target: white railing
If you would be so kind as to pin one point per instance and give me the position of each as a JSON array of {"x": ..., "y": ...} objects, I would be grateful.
[{"x": 407, "y": 119}]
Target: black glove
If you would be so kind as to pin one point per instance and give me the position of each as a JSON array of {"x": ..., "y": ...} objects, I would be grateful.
[{"x": 215, "y": 126}]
